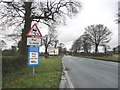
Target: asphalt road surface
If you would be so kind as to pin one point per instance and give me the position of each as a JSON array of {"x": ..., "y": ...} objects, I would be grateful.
[{"x": 91, "y": 73}]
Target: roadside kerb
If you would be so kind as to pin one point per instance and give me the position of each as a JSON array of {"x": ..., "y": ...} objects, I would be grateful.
[{"x": 65, "y": 79}]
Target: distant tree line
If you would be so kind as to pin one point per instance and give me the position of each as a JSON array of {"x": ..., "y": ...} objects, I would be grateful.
[
  {"x": 94, "y": 35},
  {"x": 116, "y": 49},
  {"x": 10, "y": 52}
]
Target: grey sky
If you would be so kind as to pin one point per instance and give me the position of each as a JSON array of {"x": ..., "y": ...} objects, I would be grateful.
[{"x": 92, "y": 12}]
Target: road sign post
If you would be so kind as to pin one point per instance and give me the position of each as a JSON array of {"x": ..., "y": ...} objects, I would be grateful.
[
  {"x": 34, "y": 43},
  {"x": 33, "y": 69}
]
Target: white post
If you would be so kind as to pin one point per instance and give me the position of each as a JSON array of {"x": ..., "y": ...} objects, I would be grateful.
[{"x": 33, "y": 69}]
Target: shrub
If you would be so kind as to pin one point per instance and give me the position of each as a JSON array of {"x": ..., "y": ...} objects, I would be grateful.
[
  {"x": 94, "y": 54},
  {"x": 11, "y": 64}
]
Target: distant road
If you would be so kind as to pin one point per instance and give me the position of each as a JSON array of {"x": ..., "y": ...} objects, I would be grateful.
[{"x": 91, "y": 73}]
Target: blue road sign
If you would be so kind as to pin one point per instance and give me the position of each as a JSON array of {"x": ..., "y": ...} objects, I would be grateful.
[{"x": 33, "y": 56}]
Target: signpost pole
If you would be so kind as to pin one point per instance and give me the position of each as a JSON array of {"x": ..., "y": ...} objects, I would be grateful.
[
  {"x": 34, "y": 43},
  {"x": 33, "y": 70}
]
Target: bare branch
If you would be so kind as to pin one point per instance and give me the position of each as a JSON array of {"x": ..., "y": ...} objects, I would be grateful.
[{"x": 100, "y": 34}]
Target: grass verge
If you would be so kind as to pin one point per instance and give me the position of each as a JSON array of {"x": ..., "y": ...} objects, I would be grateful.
[
  {"x": 47, "y": 75},
  {"x": 113, "y": 58}
]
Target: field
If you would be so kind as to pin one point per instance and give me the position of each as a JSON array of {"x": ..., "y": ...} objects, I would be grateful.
[
  {"x": 47, "y": 75},
  {"x": 114, "y": 57}
]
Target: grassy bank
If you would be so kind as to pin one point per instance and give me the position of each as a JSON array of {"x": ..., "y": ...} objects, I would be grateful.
[
  {"x": 47, "y": 75},
  {"x": 113, "y": 58}
]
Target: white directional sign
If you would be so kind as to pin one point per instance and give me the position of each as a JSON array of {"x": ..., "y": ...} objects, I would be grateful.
[
  {"x": 33, "y": 41},
  {"x": 33, "y": 57}
]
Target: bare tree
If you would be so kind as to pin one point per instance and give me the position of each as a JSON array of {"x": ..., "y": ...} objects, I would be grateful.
[
  {"x": 61, "y": 47},
  {"x": 106, "y": 47},
  {"x": 82, "y": 43},
  {"x": 24, "y": 13},
  {"x": 99, "y": 34},
  {"x": 53, "y": 32},
  {"x": 47, "y": 41},
  {"x": 85, "y": 42},
  {"x": 2, "y": 45},
  {"x": 56, "y": 43},
  {"x": 50, "y": 39},
  {"x": 76, "y": 45}
]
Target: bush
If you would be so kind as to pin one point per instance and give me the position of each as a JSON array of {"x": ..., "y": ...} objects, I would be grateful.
[
  {"x": 46, "y": 55},
  {"x": 94, "y": 54},
  {"x": 12, "y": 64}
]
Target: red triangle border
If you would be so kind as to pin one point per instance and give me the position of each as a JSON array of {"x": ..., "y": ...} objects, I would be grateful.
[{"x": 31, "y": 30}]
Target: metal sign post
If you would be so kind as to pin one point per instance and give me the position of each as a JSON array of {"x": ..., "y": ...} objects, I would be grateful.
[
  {"x": 33, "y": 69},
  {"x": 34, "y": 43},
  {"x": 33, "y": 57}
]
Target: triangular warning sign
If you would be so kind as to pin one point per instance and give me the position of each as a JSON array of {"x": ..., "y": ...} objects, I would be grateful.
[{"x": 34, "y": 31}]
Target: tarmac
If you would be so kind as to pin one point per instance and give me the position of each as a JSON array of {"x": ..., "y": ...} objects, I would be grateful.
[{"x": 65, "y": 80}]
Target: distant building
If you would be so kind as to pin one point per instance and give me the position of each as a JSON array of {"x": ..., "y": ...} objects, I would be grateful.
[{"x": 53, "y": 51}]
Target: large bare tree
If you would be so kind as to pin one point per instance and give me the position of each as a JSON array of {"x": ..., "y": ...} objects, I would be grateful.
[
  {"x": 24, "y": 13},
  {"x": 99, "y": 34}
]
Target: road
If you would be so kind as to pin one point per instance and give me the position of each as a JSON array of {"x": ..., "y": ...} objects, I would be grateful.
[{"x": 91, "y": 73}]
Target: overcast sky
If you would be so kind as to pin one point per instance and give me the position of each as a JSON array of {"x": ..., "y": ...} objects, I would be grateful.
[{"x": 92, "y": 12}]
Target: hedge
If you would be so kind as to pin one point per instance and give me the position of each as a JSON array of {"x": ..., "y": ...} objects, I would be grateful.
[{"x": 11, "y": 64}]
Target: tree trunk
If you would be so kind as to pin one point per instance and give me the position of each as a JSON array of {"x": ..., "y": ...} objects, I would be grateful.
[
  {"x": 27, "y": 26},
  {"x": 46, "y": 50},
  {"x": 96, "y": 48},
  {"x": 105, "y": 49},
  {"x": 76, "y": 51},
  {"x": 46, "y": 54}
]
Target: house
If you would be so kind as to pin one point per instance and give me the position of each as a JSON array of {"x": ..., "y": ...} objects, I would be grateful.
[{"x": 53, "y": 51}]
